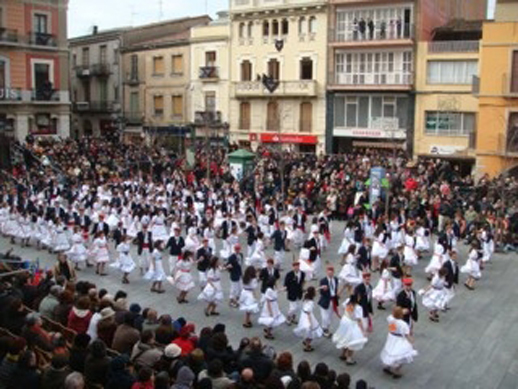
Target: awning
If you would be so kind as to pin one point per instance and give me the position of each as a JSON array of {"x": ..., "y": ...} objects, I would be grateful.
[{"x": 379, "y": 145}]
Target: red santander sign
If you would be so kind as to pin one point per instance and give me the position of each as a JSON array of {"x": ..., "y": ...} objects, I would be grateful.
[{"x": 285, "y": 138}]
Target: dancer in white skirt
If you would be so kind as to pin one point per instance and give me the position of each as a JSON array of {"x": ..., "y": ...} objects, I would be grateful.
[
  {"x": 126, "y": 264},
  {"x": 437, "y": 260},
  {"x": 183, "y": 280},
  {"x": 192, "y": 241},
  {"x": 398, "y": 348},
  {"x": 212, "y": 293},
  {"x": 350, "y": 275},
  {"x": 258, "y": 257},
  {"x": 78, "y": 252},
  {"x": 350, "y": 334},
  {"x": 25, "y": 231},
  {"x": 422, "y": 238},
  {"x": 4, "y": 216},
  {"x": 348, "y": 239},
  {"x": 100, "y": 253},
  {"x": 11, "y": 225},
  {"x": 247, "y": 301},
  {"x": 158, "y": 227},
  {"x": 435, "y": 295},
  {"x": 380, "y": 247},
  {"x": 156, "y": 272},
  {"x": 60, "y": 242},
  {"x": 271, "y": 316},
  {"x": 488, "y": 244},
  {"x": 410, "y": 256},
  {"x": 384, "y": 290},
  {"x": 472, "y": 266},
  {"x": 308, "y": 327}
]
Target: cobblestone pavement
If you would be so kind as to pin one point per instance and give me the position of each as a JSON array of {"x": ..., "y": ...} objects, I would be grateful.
[{"x": 475, "y": 345}]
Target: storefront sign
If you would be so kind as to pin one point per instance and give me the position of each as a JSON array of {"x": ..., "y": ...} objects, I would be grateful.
[
  {"x": 446, "y": 150},
  {"x": 286, "y": 138},
  {"x": 369, "y": 133}
]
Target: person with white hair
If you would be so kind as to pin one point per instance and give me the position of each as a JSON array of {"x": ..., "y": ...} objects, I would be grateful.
[{"x": 74, "y": 380}]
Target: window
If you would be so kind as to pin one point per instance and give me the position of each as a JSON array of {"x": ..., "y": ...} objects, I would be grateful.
[
  {"x": 374, "y": 112},
  {"x": 246, "y": 71},
  {"x": 449, "y": 123},
  {"x": 312, "y": 26},
  {"x": 241, "y": 30},
  {"x": 86, "y": 90},
  {"x": 103, "y": 54},
  {"x": 158, "y": 66},
  {"x": 134, "y": 67},
  {"x": 306, "y": 117},
  {"x": 512, "y": 133},
  {"x": 266, "y": 28},
  {"x": 42, "y": 78},
  {"x": 103, "y": 90},
  {"x": 274, "y": 69},
  {"x": 250, "y": 29},
  {"x": 177, "y": 102},
  {"x": 3, "y": 75},
  {"x": 210, "y": 101},
  {"x": 244, "y": 116},
  {"x": 302, "y": 26},
  {"x": 134, "y": 103},
  {"x": 210, "y": 58},
  {"x": 85, "y": 57},
  {"x": 177, "y": 64},
  {"x": 40, "y": 23},
  {"x": 275, "y": 27},
  {"x": 272, "y": 116},
  {"x": 158, "y": 105},
  {"x": 285, "y": 27},
  {"x": 306, "y": 69},
  {"x": 451, "y": 72},
  {"x": 514, "y": 73}
]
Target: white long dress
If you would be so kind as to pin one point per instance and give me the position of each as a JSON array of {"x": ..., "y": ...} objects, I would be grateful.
[
  {"x": 4, "y": 216},
  {"x": 156, "y": 271},
  {"x": 384, "y": 290},
  {"x": 437, "y": 260},
  {"x": 349, "y": 334},
  {"x": 247, "y": 301},
  {"x": 379, "y": 248},
  {"x": 436, "y": 296},
  {"x": 60, "y": 242},
  {"x": 275, "y": 318},
  {"x": 159, "y": 230},
  {"x": 350, "y": 275},
  {"x": 409, "y": 252},
  {"x": 77, "y": 252},
  {"x": 100, "y": 250},
  {"x": 488, "y": 246},
  {"x": 308, "y": 326},
  {"x": 258, "y": 257},
  {"x": 397, "y": 349},
  {"x": 346, "y": 241},
  {"x": 183, "y": 279},
  {"x": 25, "y": 230},
  {"x": 472, "y": 265},
  {"x": 212, "y": 292},
  {"x": 422, "y": 239}
]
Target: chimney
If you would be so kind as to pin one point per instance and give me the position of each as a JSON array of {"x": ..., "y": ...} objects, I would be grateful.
[{"x": 94, "y": 30}]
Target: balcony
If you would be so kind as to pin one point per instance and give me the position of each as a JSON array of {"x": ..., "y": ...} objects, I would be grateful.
[
  {"x": 95, "y": 70},
  {"x": 302, "y": 88},
  {"x": 95, "y": 107},
  {"x": 398, "y": 35},
  {"x": 368, "y": 81},
  {"x": 453, "y": 47},
  {"x": 45, "y": 95},
  {"x": 43, "y": 39},
  {"x": 8, "y": 95},
  {"x": 209, "y": 73},
  {"x": 8, "y": 35},
  {"x": 208, "y": 118},
  {"x": 134, "y": 118},
  {"x": 132, "y": 80}
]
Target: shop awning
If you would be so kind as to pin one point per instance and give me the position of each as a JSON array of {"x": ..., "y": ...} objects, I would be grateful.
[{"x": 379, "y": 145}]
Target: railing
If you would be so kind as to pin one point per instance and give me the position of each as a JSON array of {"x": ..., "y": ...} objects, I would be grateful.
[
  {"x": 399, "y": 78},
  {"x": 204, "y": 118},
  {"x": 209, "y": 72},
  {"x": 453, "y": 47},
  {"x": 44, "y": 94},
  {"x": 94, "y": 106},
  {"x": 133, "y": 118},
  {"x": 306, "y": 88},
  {"x": 100, "y": 69},
  {"x": 8, "y": 35},
  {"x": 10, "y": 94},
  {"x": 382, "y": 31},
  {"x": 132, "y": 79},
  {"x": 42, "y": 39}
]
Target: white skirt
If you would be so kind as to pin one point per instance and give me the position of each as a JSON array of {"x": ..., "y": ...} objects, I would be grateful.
[
  {"x": 349, "y": 335},
  {"x": 383, "y": 293},
  {"x": 156, "y": 274},
  {"x": 410, "y": 256},
  {"x": 101, "y": 256},
  {"x": 78, "y": 253},
  {"x": 183, "y": 281},
  {"x": 126, "y": 263},
  {"x": 247, "y": 302},
  {"x": 60, "y": 242},
  {"x": 378, "y": 250},
  {"x": 272, "y": 321},
  {"x": 435, "y": 299},
  {"x": 435, "y": 264},
  {"x": 306, "y": 329},
  {"x": 211, "y": 294},
  {"x": 422, "y": 243},
  {"x": 397, "y": 350},
  {"x": 349, "y": 276},
  {"x": 159, "y": 232},
  {"x": 471, "y": 268},
  {"x": 344, "y": 246}
]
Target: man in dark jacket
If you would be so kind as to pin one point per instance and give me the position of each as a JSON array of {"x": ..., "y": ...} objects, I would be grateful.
[
  {"x": 407, "y": 300},
  {"x": 54, "y": 376},
  {"x": 268, "y": 274},
  {"x": 294, "y": 284},
  {"x": 363, "y": 293},
  {"x": 236, "y": 271},
  {"x": 258, "y": 361}
]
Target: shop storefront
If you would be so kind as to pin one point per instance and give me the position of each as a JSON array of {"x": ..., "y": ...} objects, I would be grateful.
[{"x": 294, "y": 142}]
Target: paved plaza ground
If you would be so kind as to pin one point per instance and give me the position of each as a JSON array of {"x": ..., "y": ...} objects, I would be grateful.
[{"x": 475, "y": 345}]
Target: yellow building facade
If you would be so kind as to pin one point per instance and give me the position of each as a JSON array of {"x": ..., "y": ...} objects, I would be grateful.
[
  {"x": 497, "y": 89},
  {"x": 446, "y": 109}
]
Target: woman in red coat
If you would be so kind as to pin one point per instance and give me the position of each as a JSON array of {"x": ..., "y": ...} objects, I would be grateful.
[
  {"x": 186, "y": 341},
  {"x": 80, "y": 315}
]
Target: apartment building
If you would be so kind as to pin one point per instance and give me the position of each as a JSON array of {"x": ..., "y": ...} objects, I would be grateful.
[
  {"x": 446, "y": 110},
  {"x": 497, "y": 92},
  {"x": 96, "y": 83},
  {"x": 278, "y": 73},
  {"x": 210, "y": 80},
  {"x": 34, "y": 97},
  {"x": 372, "y": 63},
  {"x": 157, "y": 79}
]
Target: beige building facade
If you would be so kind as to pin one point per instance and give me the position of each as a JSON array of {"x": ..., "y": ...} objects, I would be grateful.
[{"x": 278, "y": 73}]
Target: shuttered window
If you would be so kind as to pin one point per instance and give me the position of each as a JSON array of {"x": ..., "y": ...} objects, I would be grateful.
[
  {"x": 244, "y": 116},
  {"x": 177, "y": 102},
  {"x": 306, "y": 117},
  {"x": 177, "y": 64},
  {"x": 158, "y": 66},
  {"x": 246, "y": 71},
  {"x": 158, "y": 104},
  {"x": 514, "y": 73}
]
